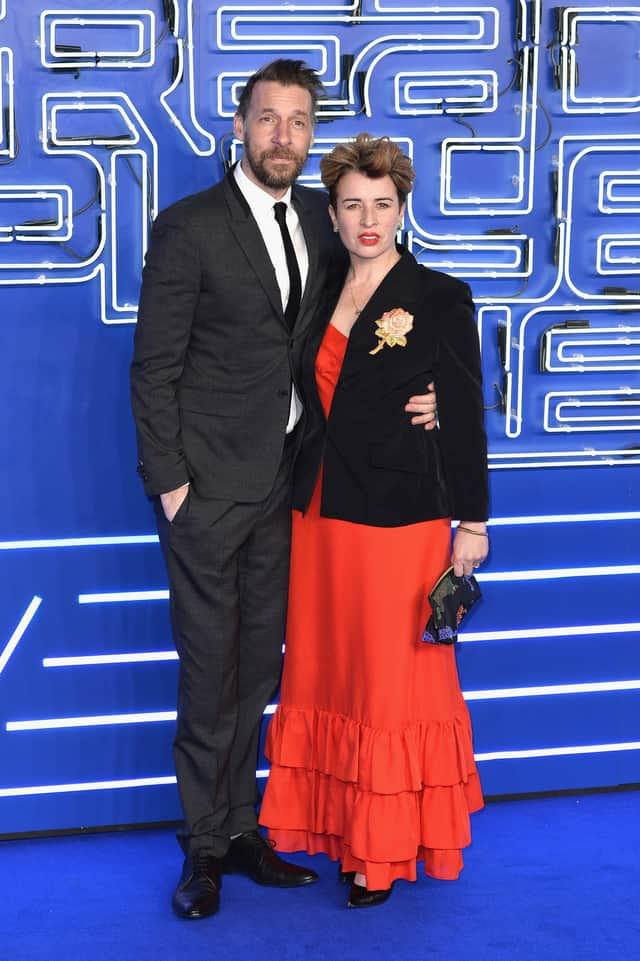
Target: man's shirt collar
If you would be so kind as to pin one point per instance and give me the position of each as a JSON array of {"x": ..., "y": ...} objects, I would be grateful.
[{"x": 260, "y": 202}]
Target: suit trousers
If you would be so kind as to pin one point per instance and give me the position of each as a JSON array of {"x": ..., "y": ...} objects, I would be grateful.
[{"x": 228, "y": 567}]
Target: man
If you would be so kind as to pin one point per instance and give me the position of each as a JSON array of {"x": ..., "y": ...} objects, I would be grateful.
[{"x": 229, "y": 290}]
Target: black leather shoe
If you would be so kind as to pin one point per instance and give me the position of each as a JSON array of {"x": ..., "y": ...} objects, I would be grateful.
[
  {"x": 198, "y": 891},
  {"x": 253, "y": 855},
  {"x": 359, "y": 897},
  {"x": 346, "y": 877}
]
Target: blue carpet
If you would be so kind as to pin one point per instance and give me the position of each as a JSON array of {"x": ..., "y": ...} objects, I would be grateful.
[{"x": 545, "y": 880}]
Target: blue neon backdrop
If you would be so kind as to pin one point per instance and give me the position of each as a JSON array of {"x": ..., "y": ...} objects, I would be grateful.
[{"x": 486, "y": 100}]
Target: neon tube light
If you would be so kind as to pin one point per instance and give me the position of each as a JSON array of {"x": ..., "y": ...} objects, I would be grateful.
[
  {"x": 85, "y": 660},
  {"x": 550, "y": 689},
  {"x": 18, "y": 634},
  {"x": 555, "y": 573},
  {"x": 114, "y": 597},
  {"x": 559, "y": 751},
  {"x": 575, "y": 630},
  {"x": 97, "y": 720},
  {"x": 77, "y": 542},
  {"x": 86, "y": 786}
]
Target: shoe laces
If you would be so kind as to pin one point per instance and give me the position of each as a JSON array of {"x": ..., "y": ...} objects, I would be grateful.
[
  {"x": 200, "y": 864},
  {"x": 256, "y": 840}
]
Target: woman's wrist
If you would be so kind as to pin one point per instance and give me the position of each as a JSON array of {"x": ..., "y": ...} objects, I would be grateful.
[{"x": 473, "y": 527}]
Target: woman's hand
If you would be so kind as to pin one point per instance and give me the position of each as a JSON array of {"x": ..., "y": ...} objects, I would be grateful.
[
  {"x": 424, "y": 406},
  {"x": 470, "y": 547}
]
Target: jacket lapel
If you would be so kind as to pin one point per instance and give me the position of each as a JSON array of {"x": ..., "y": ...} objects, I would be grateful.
[
  {"x": 400, "y": 288},
  {"x": 248, "y": 235}
]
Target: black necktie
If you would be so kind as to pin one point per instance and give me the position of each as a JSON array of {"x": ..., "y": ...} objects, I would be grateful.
[{"x": 295, "y": 283}]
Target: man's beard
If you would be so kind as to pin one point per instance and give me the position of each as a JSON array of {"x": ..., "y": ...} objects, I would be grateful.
[{"x": 275, "y": 178}]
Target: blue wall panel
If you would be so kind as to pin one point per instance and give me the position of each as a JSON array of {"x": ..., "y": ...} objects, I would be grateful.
[{"x": 527, "y": 147}]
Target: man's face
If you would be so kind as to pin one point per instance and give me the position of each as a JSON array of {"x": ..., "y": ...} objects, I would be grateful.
[{"x": 277, "y": 133}]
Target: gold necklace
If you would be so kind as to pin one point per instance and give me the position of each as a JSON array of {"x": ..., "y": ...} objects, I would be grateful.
[
  {"x": 357, "y": 309},
  {"x": 373, "y": 288}
]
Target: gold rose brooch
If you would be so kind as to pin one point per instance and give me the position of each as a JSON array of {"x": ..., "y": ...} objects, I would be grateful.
[{"x": 392, "y": 329}]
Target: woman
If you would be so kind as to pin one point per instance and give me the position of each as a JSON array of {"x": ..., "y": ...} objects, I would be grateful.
[{"x": 371, "y": 752}]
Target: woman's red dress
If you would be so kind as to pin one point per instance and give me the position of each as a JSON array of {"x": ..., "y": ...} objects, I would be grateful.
[{"x": 370, "y": 747}]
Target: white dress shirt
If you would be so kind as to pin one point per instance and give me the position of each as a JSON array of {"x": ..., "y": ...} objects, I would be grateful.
[{"x": 261, "y": 205}]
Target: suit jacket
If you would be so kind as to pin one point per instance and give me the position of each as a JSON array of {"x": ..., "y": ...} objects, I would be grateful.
[
  {"x": 213, "y": 356},
  {"x": 378, "y": 469}
]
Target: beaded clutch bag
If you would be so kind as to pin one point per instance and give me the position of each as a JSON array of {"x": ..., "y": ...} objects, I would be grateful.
[{"x": 451, "y": 598}]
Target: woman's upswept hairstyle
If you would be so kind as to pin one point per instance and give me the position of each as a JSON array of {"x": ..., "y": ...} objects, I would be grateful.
[
  {"x": 372, "y": 156},
  {"x": 288, "y": 73}
]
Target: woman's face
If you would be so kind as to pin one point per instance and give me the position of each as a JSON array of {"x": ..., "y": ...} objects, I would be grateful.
[{"x": 367, "y": 214}]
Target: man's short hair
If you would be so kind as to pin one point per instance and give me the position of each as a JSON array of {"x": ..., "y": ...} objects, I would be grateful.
[{"x": 288, "y": 73}]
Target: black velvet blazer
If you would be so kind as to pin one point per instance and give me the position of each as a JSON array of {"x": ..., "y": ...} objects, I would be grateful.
[{"x": 378, "y": 468}]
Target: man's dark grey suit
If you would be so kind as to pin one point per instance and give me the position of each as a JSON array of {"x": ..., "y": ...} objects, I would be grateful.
[{"x": 211, "y": 378}]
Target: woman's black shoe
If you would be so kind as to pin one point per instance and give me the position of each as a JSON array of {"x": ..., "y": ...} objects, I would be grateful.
[
  {"x": 346, "y": 877},
  {"x": 359, "y": 897}
]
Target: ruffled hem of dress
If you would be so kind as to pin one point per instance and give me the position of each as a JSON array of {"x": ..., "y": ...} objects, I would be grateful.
[
  {"x": 383, "y": 836},
  {"x": 378, "y": 801},
  {"x": 442, "y": 865},
  {"x": 424, "y": 754}
]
